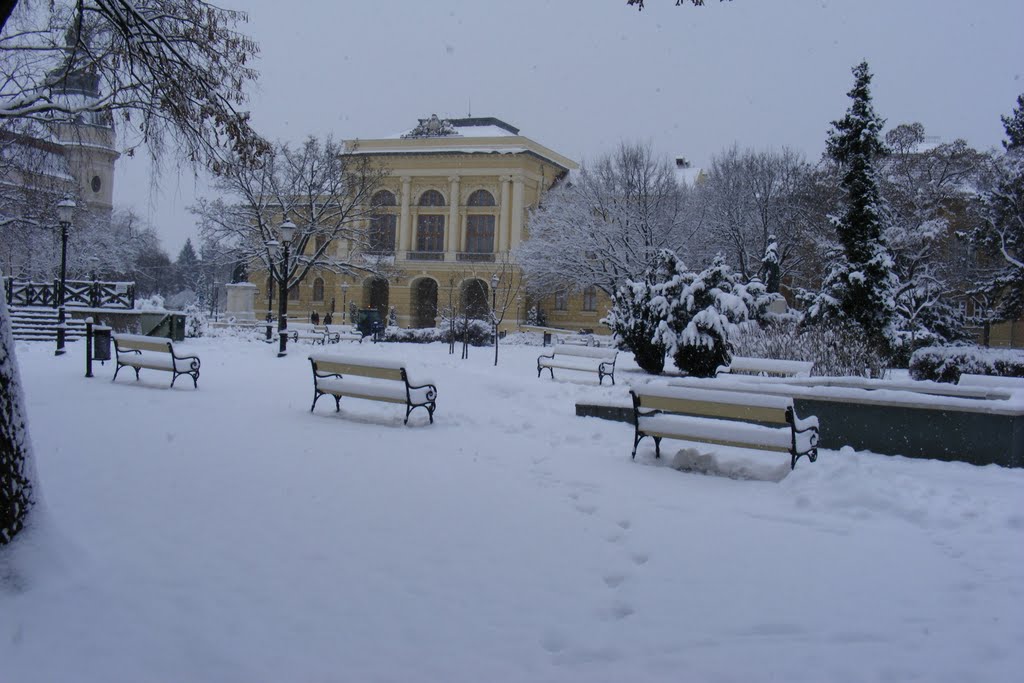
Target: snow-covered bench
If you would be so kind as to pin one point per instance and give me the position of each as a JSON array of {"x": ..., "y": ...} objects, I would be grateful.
[
  {"x": 153, "y": 353},
  {"x": 726, "y": 418},
  {"x": 770, "y": 367},
  {"x": 370, "y": 379},
  {"x": 297, "y": 331},
  {"x": 580, "y": 358},
  {"x": 339, "y": 333}
]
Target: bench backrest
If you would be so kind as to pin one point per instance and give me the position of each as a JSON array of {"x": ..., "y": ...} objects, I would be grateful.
[
  {"x": 341, "y": 329},
  {"x": 348, "y": 365},
  {"x": 302, "y": 327},
  {"x": 585, "y": 352},
  {"x": 769, "y": 366},
  {"x": 138, "y": 342},
  {"x": 730, "y": 405}
]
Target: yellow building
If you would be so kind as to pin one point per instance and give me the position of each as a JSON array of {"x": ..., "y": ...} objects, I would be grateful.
[{"x": 449, "y": 215}]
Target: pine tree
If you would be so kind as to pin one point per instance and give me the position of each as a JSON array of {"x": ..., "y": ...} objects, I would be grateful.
[
  {"x": 860, "y": 286},
  {"x": 15, "y": 448},
  {"x": 187, "y": 268}
]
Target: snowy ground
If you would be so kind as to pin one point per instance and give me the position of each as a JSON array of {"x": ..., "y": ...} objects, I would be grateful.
[{"x": 227, "y": 534}]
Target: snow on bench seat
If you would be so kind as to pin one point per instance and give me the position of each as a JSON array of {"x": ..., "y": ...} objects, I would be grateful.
[
  {"x": 727, "y": 418},
  {"x": 375, "y": 379},
  {"x": 579, "y": 358}
]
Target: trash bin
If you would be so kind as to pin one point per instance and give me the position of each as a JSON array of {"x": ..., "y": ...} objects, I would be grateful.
[
  {"x": 100, "y": 342},
  {"x": 547, "y": 339}
]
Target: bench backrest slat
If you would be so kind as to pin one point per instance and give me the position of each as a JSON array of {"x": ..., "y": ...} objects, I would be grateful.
[
  {"x": 585, "y": 352},
  {"x": 348, "y": 368},
  {"x": 732, "y": 405},
  {"x": 141, "y": 343}
]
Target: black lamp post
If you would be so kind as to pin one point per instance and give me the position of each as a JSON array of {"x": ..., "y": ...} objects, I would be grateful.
[
  {"x": 65, "y": 208},
  {"x": 272, "y": 248},
  {"x": 494, "y": 313},
  {"x": 287, "y": 230}
]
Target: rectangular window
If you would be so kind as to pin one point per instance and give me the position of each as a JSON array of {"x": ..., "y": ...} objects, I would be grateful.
[
  {"x": 430, "y": 233},
  {"x": 382, "y": 234},
  {"x": 590, "y": 299},
  {"x": 562, "y": 300},
  {"x": 480, "y": 234}
]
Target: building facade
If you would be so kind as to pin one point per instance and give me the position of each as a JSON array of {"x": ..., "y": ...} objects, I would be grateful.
[{"x": 448, "y": 217}]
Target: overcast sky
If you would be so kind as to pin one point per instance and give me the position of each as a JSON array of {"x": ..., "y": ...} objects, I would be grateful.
[{"x": 581, "y": 75}]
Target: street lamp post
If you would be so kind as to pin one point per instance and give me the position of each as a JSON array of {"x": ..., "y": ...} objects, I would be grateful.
[
  {"x": 287, "y": 230},
  {"x": 494, "y": 313},
  {"x": 344, "y": 301},
  {"x": 65, "y": 208},
  {"x": 272, "y": 247}
]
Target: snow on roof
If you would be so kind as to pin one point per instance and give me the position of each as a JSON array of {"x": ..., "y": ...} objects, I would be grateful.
[
  {"x": 689, "y": 176},
  {"x": 469, "y": 127}
]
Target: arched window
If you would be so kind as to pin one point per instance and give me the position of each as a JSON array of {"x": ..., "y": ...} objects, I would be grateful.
[
  {"x": 293, "y": 292},
  {"x": 431, "y": 198},
  {"x": 383, "y": 224},
  {"x": 383, "y": 198},
  {"x": 481, "y": 198},
  {"x": 318, "y": 289},
  {"x": 590, "y": 298},
  {"x": 561, "y": 300}
]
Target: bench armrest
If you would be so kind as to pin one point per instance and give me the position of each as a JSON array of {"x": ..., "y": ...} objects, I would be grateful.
[{"x": 805, "y": 424}]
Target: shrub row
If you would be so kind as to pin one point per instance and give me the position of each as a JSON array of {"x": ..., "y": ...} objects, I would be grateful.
[{"x": 947, "y": 363}]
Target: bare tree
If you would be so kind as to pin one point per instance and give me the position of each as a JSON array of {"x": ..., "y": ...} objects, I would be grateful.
[
  {"x": 606, "y": 224},
  {"x": 173, "y": 70},
  {"x": 506, "y": 284},
  {"x": 750, "y": 196},
  {"x": 326, "y": 193}
]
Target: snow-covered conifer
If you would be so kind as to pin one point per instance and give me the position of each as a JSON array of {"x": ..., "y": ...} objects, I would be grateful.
[
  {"x": 860, "y": 287},
  {"x": 700, "y": 313},
  {"x": 770, "y": 265},
  {"x": 635, "y": 321}
]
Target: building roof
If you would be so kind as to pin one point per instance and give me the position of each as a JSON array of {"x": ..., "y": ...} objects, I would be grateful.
[{"x": 469, "y": 135}]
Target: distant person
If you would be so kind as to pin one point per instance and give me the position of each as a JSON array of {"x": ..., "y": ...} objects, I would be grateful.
[
  {"x": 327, "y": 318},
  {"x": 315, "y": 318}
]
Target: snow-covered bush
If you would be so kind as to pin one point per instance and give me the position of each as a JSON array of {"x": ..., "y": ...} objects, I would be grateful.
[
  {"x": 16, "y": 464},
  {"x": 836, "y": 350},
  {"x": 479, "y": 333},
  {"x": 154, "y": 302},
  {"x": 196, "y": 320},
  {"x": 634, "y": 320},
  {"x": 947, "y": 363},
  {"x": 700, "y": 314}
]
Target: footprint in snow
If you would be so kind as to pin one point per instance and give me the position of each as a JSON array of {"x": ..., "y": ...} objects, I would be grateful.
[
  {"x": 640, "y": 558},
  {"x": 614, "y": 580}
]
